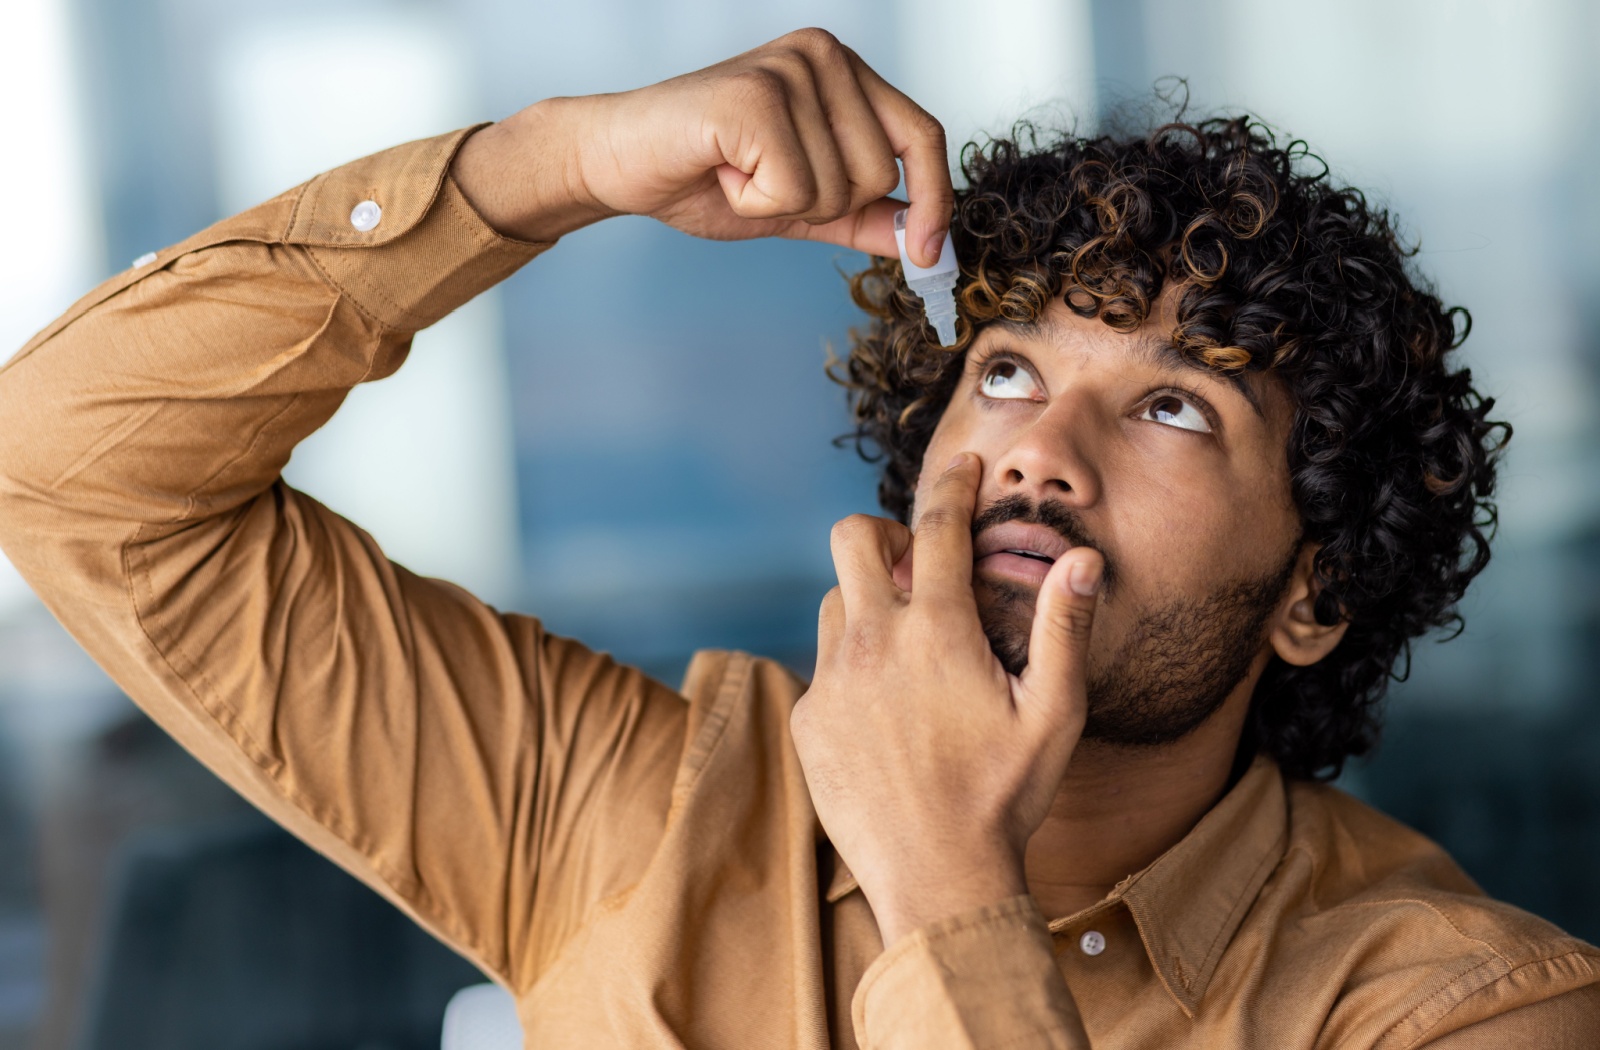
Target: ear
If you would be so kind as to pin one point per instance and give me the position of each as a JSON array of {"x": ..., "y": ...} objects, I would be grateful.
[{"x": 1296, "y": 636}]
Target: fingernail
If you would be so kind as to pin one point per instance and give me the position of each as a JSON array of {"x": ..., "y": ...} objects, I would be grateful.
[
  {"x": 955, "y": 461},
  {"x": 1084, "y": 578},
  {"x": 934, "y": 246}
]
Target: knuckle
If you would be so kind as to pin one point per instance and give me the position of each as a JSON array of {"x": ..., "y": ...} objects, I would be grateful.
[
  {"x": 759, "y": 86},
  {"x": 832, "y": 203},
  {"x": 936, "y": 519},
  {"x": 796, "y": 66},
  {"x": 814, "y": 40},
  {"x": 928, "y": 126},
  {"x": 883, "y": 178},
  {"x": 802, "y": 199},
  {"x": 851, "y": 530}
]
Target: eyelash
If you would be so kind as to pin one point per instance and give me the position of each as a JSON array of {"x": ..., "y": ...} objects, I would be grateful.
[{"x": 994, "y": 355}]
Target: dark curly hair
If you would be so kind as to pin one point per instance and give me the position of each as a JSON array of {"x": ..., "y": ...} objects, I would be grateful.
[{"x": 1276, "y": 267}]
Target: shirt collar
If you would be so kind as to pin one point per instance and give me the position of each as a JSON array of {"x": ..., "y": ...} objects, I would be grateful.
[{"x": 1189, "y": 902}]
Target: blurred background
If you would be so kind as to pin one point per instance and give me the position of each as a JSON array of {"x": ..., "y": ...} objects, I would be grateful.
[{"x": 632, "y": 437}]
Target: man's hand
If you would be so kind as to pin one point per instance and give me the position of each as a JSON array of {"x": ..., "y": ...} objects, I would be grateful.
[
  {"x": 931, "y": 767},
  {"x": 797, "y": 138}
]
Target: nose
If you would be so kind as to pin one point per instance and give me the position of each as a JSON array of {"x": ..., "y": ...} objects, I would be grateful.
[{"x": 1052, "y": 458}]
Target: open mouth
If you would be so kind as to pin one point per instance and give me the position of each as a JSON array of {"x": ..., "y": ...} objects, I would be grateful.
[{"x": 1017, "y": 552}]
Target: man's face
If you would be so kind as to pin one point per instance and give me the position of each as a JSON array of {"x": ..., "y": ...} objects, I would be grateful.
[{"x": 1177, "y": 476}]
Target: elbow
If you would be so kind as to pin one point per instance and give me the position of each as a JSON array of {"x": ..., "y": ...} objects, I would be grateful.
[
  {"x": 26, "y": 480},
  {"x": 18, "y": 510},
  {"x": 13, "y": 477}
]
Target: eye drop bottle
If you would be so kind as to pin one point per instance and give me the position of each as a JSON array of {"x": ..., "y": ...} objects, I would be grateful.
[{"x": 935, "y": 284}]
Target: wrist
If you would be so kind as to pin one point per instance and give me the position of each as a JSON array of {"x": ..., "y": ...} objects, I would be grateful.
[
  {"x": 522, "y": 174},
  {"x": 904, "y": 904}
]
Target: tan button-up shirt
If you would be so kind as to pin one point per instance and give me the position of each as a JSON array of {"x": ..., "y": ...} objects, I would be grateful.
[{"x": 642, "y": 867}]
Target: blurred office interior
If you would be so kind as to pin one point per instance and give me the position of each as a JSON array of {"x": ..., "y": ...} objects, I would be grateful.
[{"x": 632, "y": 438}]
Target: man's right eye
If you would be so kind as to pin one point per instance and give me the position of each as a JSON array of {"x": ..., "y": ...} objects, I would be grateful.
[{"x": 1009, "y": 381}]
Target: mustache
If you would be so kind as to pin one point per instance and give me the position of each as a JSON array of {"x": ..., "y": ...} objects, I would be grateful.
[{"x": 1053, "y": 515}]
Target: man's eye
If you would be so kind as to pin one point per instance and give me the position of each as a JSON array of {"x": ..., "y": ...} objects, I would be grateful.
[
  {"x": 1004, "y": 379},
  {"x": 1176, "y": 412}
]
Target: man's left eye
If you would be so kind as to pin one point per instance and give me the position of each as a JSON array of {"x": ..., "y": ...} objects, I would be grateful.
[{"x": 1176, "y": 412}]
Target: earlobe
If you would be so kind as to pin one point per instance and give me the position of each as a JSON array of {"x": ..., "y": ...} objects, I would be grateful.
[{"x": 1297, "y": 636}]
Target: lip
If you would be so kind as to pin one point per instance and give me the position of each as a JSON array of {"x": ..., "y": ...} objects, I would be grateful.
[{"x": 1018, "y": 551}]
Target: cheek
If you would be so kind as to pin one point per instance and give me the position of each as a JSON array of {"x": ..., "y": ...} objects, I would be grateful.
[{"x": 1186, "y": 537}]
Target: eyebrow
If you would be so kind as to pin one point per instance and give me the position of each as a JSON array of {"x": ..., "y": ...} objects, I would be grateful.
[{"x": 1162, "y": 353}]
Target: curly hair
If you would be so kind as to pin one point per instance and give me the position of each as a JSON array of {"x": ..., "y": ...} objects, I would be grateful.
[{"x": 1274, "y": 267}]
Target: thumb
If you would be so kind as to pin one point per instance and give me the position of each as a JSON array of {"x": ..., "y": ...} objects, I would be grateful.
[
  {"x": 1058, "y": 647},
  {"x": 869, "y": 229}
]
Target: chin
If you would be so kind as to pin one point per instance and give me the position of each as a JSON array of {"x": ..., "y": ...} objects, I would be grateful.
[{"x": 1006, "y": 612}]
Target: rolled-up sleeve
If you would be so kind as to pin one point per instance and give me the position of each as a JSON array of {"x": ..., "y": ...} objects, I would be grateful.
[{"x": 980, "y": 980}]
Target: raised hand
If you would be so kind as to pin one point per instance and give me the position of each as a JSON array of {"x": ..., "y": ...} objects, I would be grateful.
[
  {"x": 796, "y": 138},
  {"x": 931, "y": 767}
]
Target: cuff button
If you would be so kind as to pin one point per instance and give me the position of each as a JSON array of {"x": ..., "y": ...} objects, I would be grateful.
[{"x": 366, "y": 216}]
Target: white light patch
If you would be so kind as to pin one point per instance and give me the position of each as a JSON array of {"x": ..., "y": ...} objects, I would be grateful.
[
  {"x": 51, "y": 241},
  {"x": 422, "y": 460},
  {"x": 978, "y": 67}
]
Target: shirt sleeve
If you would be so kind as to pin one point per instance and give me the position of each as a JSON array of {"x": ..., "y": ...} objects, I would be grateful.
[
  {"x": 1521, "y": 1011},
  {"x": 435, "y": 748},
  {"x": 981, "y": 980}
]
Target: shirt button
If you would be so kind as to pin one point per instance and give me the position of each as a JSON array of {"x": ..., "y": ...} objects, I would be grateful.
[
  {"x": 144, "y": 260},
  {"x": 1092, "y": 943},
  {"x": 366, "y": 216}
]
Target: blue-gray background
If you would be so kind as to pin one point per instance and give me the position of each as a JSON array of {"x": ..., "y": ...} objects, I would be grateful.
[{"x": 633, "y": 437}]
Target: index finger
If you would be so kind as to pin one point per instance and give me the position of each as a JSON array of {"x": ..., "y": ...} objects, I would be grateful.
[
  {"x": 918, "y": 140},
  {"x": 941, "y": 563},
  {"x": 865, "y": 551}
]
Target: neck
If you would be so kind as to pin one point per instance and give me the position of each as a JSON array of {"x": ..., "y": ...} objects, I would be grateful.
[{"x": 1120, "y": 808}]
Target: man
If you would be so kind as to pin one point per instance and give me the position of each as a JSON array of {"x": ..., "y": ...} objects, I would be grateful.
[{"x": 1051, "y": 785}]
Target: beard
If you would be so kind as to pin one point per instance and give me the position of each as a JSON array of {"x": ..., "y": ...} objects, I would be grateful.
[{"x": 1180, "y": 660}]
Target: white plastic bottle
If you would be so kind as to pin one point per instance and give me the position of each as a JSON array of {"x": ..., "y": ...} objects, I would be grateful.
[{"x": 936, "y": 284}]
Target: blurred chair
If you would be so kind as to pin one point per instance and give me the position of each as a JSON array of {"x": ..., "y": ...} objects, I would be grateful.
[{"x": 482, "y": 1017}]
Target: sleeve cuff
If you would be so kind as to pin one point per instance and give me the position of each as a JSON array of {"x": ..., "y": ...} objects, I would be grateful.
[
  {"x": 983, "y": 979},
  {"x": 429, "y": 251}
]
